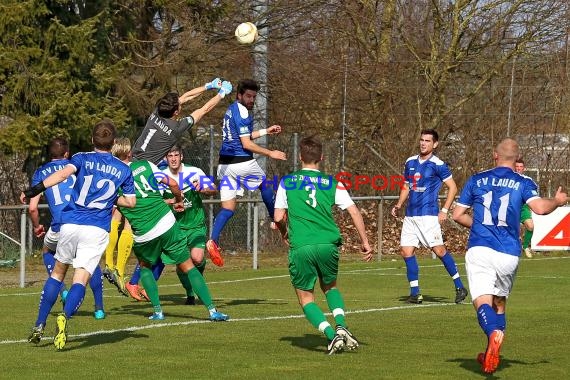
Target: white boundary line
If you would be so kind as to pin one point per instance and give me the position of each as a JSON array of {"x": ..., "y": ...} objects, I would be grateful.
[{"x": 195, "y": 322}]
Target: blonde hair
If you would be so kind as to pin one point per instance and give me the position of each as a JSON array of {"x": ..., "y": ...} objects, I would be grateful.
[{"x": 121, "y": 148}]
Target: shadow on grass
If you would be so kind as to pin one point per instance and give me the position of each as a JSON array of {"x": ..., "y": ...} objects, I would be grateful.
[
  {"x": 254, "y": 301},
  {"x": 472, "y": 365},
  {"x": 310, "y": 342},
  {"x": 428, "y": 298},
  {"x": 104, "y": 337}
]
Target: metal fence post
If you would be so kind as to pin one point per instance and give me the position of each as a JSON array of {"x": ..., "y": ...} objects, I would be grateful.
[
  {"x": 380, "y": 226},
  {"x": 23, "y": 222},
  {"x": 255, "y": 233}
]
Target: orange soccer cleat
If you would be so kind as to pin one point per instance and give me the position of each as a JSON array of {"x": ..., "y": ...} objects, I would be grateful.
[
  {"x": 491, "y": 361},
  {"x": 214, "y": 252}
]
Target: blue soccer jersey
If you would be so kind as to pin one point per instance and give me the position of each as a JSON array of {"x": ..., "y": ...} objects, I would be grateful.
[
  {"x": 238, "y": 122},
  {"x": 424, "y": 179},
  {"x": 56, "y": 196},
  {"x": 497, "y": 197},
  {"x": 99, "y": 177}
]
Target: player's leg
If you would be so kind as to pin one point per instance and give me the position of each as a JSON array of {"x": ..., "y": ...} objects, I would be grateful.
[
  {"x": 110, "y": 249},
  {"x": 451, "y": 268},
  {"x": 124, "y": 248},
  {"x": 48, "y": 298},
  {"x": 148, "y": 253},
  {"x": 96, "y": 285},
  {"x": 50, "y": 245},
  {"x": 196, "y": 240},
  {"x": 408, "y": 242},
  {"x": 527, "y": 237},
  {"x": 304, "y": 276}
]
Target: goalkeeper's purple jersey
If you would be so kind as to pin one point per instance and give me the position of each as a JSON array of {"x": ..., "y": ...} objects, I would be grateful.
[
  {"x": 99, "y": 177},
  {"x": 238, "y": 122},
  {"x": 56, "y": 196},
  {"x": 424, "y": 179},
  {"x": 497, "y": 197}
]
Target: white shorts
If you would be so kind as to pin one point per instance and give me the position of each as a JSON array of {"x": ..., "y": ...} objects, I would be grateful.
[
  {"x": 421, "y": 229},
  {"x": 235, "y": 178},
  {"x": 490, "y": 272},
  {"x": 50, "y": 239},
  {"x": 82, "y": 246}
]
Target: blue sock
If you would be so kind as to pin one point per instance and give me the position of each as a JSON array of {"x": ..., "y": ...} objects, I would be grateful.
[
  {"x": 96, "y": 284},
  {"x": 413, "y": 273},
  {"x": 451, "y": 268},
  {"x": 269, "y": 199},
  {"x": 48, "y": 298},
  {"x": 502, "y": 321},
  {"x": 136, "y": 275},
  {"x": 487, "y": 319},
  {"x": 157, "y": 269},
  {"x": 74, "y": 299},
  {"x": 220, "y": 222},
  {"x": 49, "y": 262}
]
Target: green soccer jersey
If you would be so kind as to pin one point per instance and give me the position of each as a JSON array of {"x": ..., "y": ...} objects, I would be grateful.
[
  {"x": 309, "y": 197},
  {"x": 150, "y": 207},
  {"x": 193, "y": 215}
]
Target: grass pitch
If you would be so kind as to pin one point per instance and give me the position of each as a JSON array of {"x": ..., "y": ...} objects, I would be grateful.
[{"x": 269, "y": 338}]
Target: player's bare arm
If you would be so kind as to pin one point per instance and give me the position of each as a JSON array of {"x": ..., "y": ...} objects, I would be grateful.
[
  {"x": 225, "y": 89},
  {"x": 39, "y": 229},
  {"x": 178, "y": 204},
  {"x": 359, "y": 224},
  {"x": 460, "y": 216},
  {"x": 402, "y": 198},
  {"x": 451, "y": 193},
  {"x": 248, "y": 144},
  {"x": 127, "y": 202},
  {"x": 542, "y": 206},
  {"x": 215, "y": 84},
  {"x": 273, "y": 130}
]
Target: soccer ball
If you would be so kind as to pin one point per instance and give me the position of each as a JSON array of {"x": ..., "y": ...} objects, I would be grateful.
[{"x": 246, "y": 33}]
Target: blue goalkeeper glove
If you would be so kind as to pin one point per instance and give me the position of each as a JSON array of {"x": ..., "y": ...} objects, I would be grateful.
[
  {"x": 226, "y": 89},
  {"x": 215, "y": 84}
]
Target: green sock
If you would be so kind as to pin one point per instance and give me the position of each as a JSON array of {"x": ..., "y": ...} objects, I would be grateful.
[
  {"x": 336, "y": 306},
  {"x": 526, "y": 239},
  {"x": 316, "y": 317},
  {"x": 185, "y": 281},
  {"x": 151, "y": 288},
  {"x": 200, "y": 288}
]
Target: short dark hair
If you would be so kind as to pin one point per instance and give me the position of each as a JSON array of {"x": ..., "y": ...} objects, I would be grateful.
[
  {"x": 58, "y": 147},
  {"x": 431, "y": 132},
  {"x": 168, "y": 105},
  {"x": 104, "y": 134},
  {"x": 247, "y": 84},
  {"x": 175, "y": 148},
  {"x": 519, "y": 161},
  {"x": 311, "y": 150}
]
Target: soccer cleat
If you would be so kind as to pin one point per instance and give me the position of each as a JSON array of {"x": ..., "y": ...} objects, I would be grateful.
[
  {"x": 119, "y": 282},
  {"x": 143, "y": 294},
  {"x": 491, "y": 360},
  {"x": 214, "y": 251},
  {"x": 528, "y": 252},
  {"x": 60, "y": 337},
  {"x": 350, "y": 340},
  {"x": 36, "y": 334},
  {"x": 418, "y": 298},
  {"x": 190, "y": 300},
  {"x": 216, "y": 316},
  {"x": 108, "y": 274},
  {"x": 156, "y": 316},
  {"x": 99, "y": 314},
  {"x": 460, "y": 294},
  {"x": 336, "y": 345},
  {"x": 134, "y": 291}
]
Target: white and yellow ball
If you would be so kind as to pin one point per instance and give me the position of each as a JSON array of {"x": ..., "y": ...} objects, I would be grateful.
[{"x": 246, "y": 33}]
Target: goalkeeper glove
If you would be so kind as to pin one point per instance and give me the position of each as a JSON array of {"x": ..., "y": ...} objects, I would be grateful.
[
  {"x": 215, "y": 84},
  {"x": 226, "y": 89}
]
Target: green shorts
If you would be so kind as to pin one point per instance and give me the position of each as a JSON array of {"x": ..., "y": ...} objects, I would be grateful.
[
  {"x": 195, "y": 238},
  {"x": 525, "y": 213},
  {"x": 171, "y": 244},
  {"x": 311, "y": 262}
]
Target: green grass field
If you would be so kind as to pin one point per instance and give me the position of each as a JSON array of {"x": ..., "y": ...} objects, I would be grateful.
[{"x": 268, "y": 337}]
